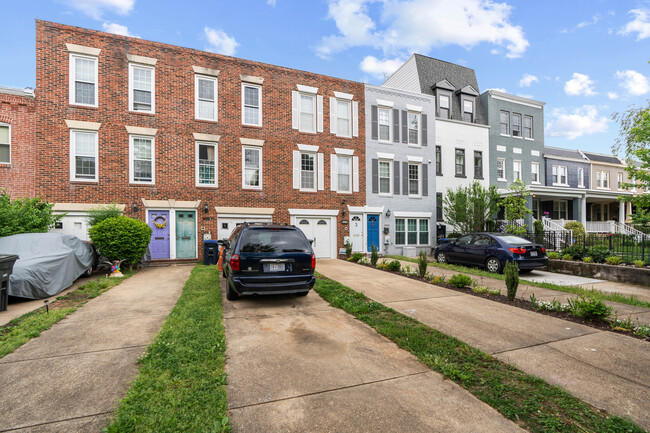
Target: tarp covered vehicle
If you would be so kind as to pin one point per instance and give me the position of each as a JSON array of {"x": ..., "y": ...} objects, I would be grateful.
[{"x": 48, "y": 263}]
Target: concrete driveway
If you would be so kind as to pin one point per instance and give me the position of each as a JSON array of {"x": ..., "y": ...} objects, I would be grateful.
[{"x": 299, "y": 365}]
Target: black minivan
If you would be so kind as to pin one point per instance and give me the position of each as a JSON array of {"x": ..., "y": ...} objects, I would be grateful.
[{"x": 268, "y": 258}]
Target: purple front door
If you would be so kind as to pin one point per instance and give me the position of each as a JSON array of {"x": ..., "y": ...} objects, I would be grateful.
[{"x": 159, "y": 223}]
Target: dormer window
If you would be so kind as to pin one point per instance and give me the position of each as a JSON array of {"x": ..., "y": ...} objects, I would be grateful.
[
  {"x": 443, "y": 106},
  {"x": 467, "y": 98},
  {"x": 443, "y": 91},
  {"x": 468, "y": 110}
]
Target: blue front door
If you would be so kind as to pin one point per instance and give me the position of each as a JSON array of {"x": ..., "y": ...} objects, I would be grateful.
[
  {"x": 373, "y": 231},
  {"x": 159, "y": 246}
]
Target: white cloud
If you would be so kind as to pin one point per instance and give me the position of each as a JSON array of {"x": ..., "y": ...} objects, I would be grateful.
[
  {"x": 96, "y": 8},
  {"x": 634, "y": 82},
  {"x": 580, "y": 84},
  {"x": 640, "y": 24},
  {"x": 498, "y": 89},
  {"x": 593, "y": 21},
  {"x": 576, "y": 123},
  {"x": 118, "y": 29},
  {"x": 220, "y": 42},
  {"x": 271, "y": 2},
  {"x": 527, "y": 80},
  {"x": 380, "y": 68},
  {"x": 419, "y": 25},
  {"x": 612, "y": 95}
]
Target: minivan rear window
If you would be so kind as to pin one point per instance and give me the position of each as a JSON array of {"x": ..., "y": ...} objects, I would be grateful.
[{"x": 273, "y": 241}]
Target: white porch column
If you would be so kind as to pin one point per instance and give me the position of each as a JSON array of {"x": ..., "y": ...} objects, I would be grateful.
[
  {"x": 621, "y": 211},
  {"x": 583, "y": 211},
  {"x": 629, "y": 209}
]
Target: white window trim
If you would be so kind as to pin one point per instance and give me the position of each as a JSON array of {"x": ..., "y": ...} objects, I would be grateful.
[
  {"x": 532, "y": 133},
  {"x": 259, "y": 112},
  {"x": 419, "y": 114},
  {"x": 408, "y": 179},
  {"x": 603, "y": 175},
  {"x": 406, "y": 231},
  {"x": 581, "y": 180},
  {"x": 73, "y": 154},
  {"x": 534, "y": 164},
  {"x": 505, "y": 173},
  {"x": 215, "y": 82},
  {"x": 559, "y": 208},
  {"x": 521, "y": 174},
  {"x": 315, "y": 155},
  {"x": 509, "y": 124},
  {"x": 559, "y": 177},
  {"x": 153, "y": 87},
  {"x": 347, "y": 101},
  {"x": 8, "y": 143},
  {"x": 350, "y": 174},
  {"x": 243, "y": 168},
  {"x": 384, "y": 106},
  {"x": 216, "y": 164},
  {"x": 72, "y": 87},
  {"x": 153, "y": 159},
  {"x": 389, "y": 161},
  {"x": 621, "y": 181},
  {"x": 521, "y": 126},
  {"x": 315, "y": 105}
]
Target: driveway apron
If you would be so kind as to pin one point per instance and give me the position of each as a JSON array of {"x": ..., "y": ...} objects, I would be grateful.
[{"x": 610, "y": 371}]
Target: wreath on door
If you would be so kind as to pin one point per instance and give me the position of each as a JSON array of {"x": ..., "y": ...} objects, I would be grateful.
[{"x": 161, "y": 224}]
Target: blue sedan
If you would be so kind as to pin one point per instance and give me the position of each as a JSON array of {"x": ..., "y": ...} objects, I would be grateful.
[{"x": 492, "y": 251}]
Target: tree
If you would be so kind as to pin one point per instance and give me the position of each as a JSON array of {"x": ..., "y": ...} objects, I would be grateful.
[
  {"x": 101, "y": 213},
  {"x": 471, "y": 208},
  {"x": 25, "y": 215},
  {"x": 514, "y": 206}
]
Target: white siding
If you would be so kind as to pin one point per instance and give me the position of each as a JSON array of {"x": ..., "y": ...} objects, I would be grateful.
[{"x": 405, "y": 78}]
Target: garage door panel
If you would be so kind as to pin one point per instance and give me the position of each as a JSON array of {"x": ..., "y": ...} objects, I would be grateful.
[{"x": 319, "y": 231}]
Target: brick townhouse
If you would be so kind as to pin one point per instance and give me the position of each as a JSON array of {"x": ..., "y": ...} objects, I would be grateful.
[
  {"x": 193, "y": 142},
  {"x": 17, "y": 135}
]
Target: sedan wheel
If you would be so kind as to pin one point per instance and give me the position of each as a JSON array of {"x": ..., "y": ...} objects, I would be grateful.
[
  {"x": 442, "y": 258},
  {"x": 493, "y": 265}
]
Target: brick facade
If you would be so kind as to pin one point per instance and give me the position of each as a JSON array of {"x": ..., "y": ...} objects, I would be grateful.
[
  {"x": 175, "y": 122},
  {"x": 18, "y": 110}
]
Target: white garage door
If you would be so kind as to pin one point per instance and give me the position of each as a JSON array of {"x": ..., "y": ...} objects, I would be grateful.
[
  {"x": 226, "y": 225},
  {"x": 73, "y": 224},
  {"x": 320, "y": 231}
]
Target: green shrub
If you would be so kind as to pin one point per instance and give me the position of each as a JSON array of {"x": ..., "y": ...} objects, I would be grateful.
[
  {"x": 25, "y": 215},
  {"x": 460, "y": 281},
  {"x": 422, "y": 264},
  {"x": 588, "y": 259},
  {"x": 589, "y": 308},
  {"x": 102, "y": 213},
  {"x": 121, "y": 238},
  {"x": 480, "y": 290},
  {"x": 494, "y": 292},
  {"x": 614, "y": 260},
  {"x": 575, "y": 251},
  {"x": 553, "y": 255},
  {"x": 567, "y": 257},
  {"x": 374, "y": 256},
  {"x": 599, "y": 253},
  {"x": 511, "y": 272},
  {"x": 356, "y": 257},
  {"x": 638, "y": 263},
  {"x": 577, "y": 228},
  {"x": 538, "y": 227},
  {"x": 394, "y": 265},
  {"x": 348, "y": 250}
]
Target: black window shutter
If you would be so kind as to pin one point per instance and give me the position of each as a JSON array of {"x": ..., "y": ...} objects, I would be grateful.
[
  {"x": 405, "y": 176},
  {"x": 424, "y": 130},
  {"x": 373, "y": 122},
  {"x": 425, "y": 179},
  {"x": 396, "y": 126},
  {"x": 396, "y": 177},
  {"x": 405, "y": 131},
  {"x": 375, "y": 176}
]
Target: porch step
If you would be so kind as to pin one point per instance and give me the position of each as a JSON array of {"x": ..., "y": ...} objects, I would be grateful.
[{"x": 167, "y": 262}]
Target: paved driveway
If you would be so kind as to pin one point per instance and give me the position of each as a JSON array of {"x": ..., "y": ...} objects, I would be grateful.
[{"x": 299, "y": 365}]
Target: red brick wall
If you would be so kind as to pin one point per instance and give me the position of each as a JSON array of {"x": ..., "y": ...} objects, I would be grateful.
[
  {"x": 174, "y": 119},
  {"x": 19, "y": 112}
]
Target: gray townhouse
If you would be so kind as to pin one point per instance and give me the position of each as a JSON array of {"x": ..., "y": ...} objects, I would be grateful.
[{"x": 399, "y": 216}]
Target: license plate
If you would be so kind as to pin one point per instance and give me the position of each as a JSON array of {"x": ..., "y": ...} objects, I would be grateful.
[
  {"x": 533, "y": 253},
  {"x": 276, "y": 267}
]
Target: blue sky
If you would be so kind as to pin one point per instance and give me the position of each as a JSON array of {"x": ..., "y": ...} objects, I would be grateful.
[{"x": 585, "y": 58}]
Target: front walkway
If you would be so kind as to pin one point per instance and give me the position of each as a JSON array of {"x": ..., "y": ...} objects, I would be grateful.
[
  {"x": 73, "y": 375},
  {"x": 607, "y": 370}
]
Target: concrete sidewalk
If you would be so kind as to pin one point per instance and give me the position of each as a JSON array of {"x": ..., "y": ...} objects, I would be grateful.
[
  {"x": 71, "y": 377},
  {"x": 296, "y": 364},
  {"x": 607, "y": 370}
]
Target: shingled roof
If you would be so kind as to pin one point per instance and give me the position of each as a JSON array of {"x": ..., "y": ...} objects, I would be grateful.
[
  {"x": 556, "y": 152},
  {"x": 597, "y": 157}
]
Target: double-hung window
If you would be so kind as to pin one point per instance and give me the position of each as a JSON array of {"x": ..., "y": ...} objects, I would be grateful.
[
  {"x": 142, "y": 162},
  {"x": 534, "y": 172},
  {"x": 5, "y": 143},
  {"x": 384, "y": 123},
  {"x": 414, "y": 128},
  {"x": 504, "y": 117},
  {"x": 602, "y": 179},
  {"x": 83, "y": 80},
  {"x": 581, "y": 177},
  {"x": 206, "y": 164},
  {"x": 516, "y": 170},
  {"x": 559, "y": 175},
  {"x": 205, "y": 102},
  {"x": 528, "y": 127},
  {"x": 252, "y": 167},
  {"x": 443, "y": 109},
  {"x": 412, "y": 231},
  {"x": 460, "y": 162},
  {"x": 344, "y": 173},
  {"x": 83, "y": 155},
  {"x": 385, "y": 177},
  {"x": 307, "y": 171},
  {"x": 516, "y": 125},
  {"x": 343, "y": 118},
  {"x": 501, "y": 169},
  {"x": 414, "y": 179},
  {"x": 142, "y": 85},
  {"x": 439, "y": 160},
  {"x": 478, "y": 164},
  {"x": 468, "y": 110},
  {"x": 307, "y": 113},
  {"x": 251, "y": 95},
  {"x": 619, "y": 178}
]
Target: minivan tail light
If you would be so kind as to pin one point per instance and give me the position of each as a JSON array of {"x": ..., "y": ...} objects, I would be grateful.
[
  {"x": 543, "y": 250},
  {"x": 234, "y": 262},
  {"x": 518, "y": 250},
  {"x": 313, "y": 261}
]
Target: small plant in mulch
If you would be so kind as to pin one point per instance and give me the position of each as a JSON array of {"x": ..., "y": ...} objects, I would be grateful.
[
  {"x": 394, "y": 266},
  {"x": 511, "y": 272},
  {"x": 460, "y": 281},
  {"x": 348, "y": 250},
  {"x": 374, "y": 256},
  {"x": 383, "y": 265},
  {"x": 494, "y": 292},
  {"x": 480, "y": 290},
  {"x": 438, "y": 279},
  {"x": 422, "y": 264},
  {"x": 590, "y": 308},
  {"x": 355, "y": 257}
]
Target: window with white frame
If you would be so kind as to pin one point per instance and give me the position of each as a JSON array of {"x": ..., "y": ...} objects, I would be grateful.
[
  {"x": 344, "y": 173},
  {"x": 619, "y": 179},
  {"x": 411, "y": 231},
  {"x": 142, "y": 83},
  {"x": 343, "y": 118},
  {"x": 528, "y": 127},
  {"x": 414, "y": 128},
  {"x": 251, "y": 95},
  {"x": 205, "y": 92},
  {"x": 534, "y": 172},
  {"x": 414, "y": 179},
  {"x": 83, "y": 155},
  {"x": 83, "y": 80},
  {"x": 443, "y": 109},
  {"x": 142, "y": 162},
  {"x": 516, "y": 170},
  {"x": 460, "y": 162},
  {"x": 468, "y": 110},
  {"x": 560, "y": 210},
  {"x": 252, "y": 167},
  {"x": 559, "y": 175},
  {"x": 384, "y": 123},
  {"x": 307, "y": 116},
  {"x": 581, "y": 177},
  {"x": 439, "y": 160},
  {"x": 602, "y": 179},
  {"x": 478, "y": 164},
  {"x": 206, "y": 164},
  {"x": 516, "y": 125},
  {"x": 307, "y": 171},
  {"x": 385, "y": 177},
  {"x": 505, "y": 122},
  {"x": 5, "y": 143},
  {"x": 501, "y": 169}
]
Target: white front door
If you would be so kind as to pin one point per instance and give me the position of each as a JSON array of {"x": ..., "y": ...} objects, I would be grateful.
[{"x": 356, "y": 233}]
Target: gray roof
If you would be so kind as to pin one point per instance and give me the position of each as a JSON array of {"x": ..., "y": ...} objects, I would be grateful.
[
  {"x": 27, "y": 91},
  {"x": 432, "y": 71},
  {"x": 597, "y": 157},
  {"x": 556, "y": 152}
]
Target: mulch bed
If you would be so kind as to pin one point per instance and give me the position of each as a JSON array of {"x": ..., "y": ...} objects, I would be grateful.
[{"x": 602, "y": 325}]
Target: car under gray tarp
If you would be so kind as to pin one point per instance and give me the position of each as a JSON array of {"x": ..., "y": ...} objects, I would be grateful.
[{"x": 48, "y": 263}]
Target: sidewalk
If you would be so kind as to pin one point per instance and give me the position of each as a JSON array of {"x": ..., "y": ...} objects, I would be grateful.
[
  {"x": 607, "y": 370},
  {"x": 73, "y": 375}
]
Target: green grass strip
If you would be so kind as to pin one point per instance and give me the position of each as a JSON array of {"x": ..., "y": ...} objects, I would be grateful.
[
  {"x": 576, "y": 290},
  {"x": 181, "y": 386},
  {"x": 30, "y": 325},
  {"x": 528, "y": 401}
]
